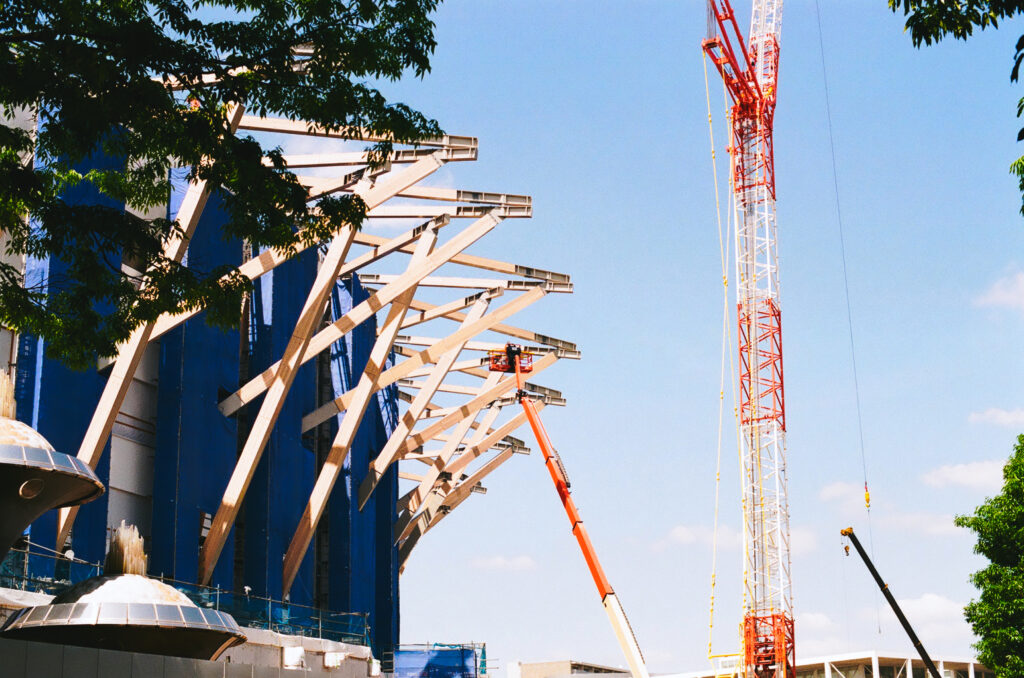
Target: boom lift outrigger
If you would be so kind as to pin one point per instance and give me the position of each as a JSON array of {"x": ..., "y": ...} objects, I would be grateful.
[{"x": 513, "y": 359}]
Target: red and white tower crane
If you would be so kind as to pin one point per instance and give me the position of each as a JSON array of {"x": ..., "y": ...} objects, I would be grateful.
[{"x": 750, "y": 72}]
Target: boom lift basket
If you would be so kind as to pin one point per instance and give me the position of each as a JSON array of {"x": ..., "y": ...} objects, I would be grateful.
[{"x": 499, "y": 361}]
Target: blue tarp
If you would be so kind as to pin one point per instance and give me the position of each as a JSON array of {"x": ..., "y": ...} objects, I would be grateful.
[{"x": 436, "y": 662}]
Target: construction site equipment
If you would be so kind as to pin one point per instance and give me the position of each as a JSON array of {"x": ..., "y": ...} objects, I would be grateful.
[
  {"x": 848, "y": 533},
  {"x": 750, "y": 73},
  {"x": 513, "y": 359}
]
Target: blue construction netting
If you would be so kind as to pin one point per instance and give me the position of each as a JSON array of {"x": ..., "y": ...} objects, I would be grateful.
[{"x": 439, "y": 660}]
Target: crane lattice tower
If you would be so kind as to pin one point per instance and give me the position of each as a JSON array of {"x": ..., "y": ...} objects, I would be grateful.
[{"x": 750, "y": 74}]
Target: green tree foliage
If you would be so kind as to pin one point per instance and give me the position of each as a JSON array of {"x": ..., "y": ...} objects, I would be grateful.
[
  {"x": 100, "y": 75},
  {"x": 929, "y": 21},
  {"x": 997, "y": 617}
]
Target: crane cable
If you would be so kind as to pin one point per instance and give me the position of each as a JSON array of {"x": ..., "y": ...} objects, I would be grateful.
[
  {"x": 846, "y": 289},
  {"x": 726, "y": 342}
]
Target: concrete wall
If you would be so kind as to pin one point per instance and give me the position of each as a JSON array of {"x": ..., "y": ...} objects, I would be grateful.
[{"x": 22, "y": 659}]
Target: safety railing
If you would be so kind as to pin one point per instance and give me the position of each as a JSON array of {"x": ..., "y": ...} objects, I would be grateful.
[{"x": 21, "y": 570}]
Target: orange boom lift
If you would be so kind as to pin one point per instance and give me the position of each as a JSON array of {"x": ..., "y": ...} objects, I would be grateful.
[{"x": 513, "y": 359}]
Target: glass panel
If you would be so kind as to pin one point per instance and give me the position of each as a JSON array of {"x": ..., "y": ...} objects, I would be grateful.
[
  {"x": 60, "y": 613},
  {"x": 168, "y": 614},
  {"x": 12, "y": 453},
  {"x": 38, "y": 457},
  {"x": 141, "y": 612},
  {"x": 63, "y": 461},
  {"x": 37, "y": 614},
  {"x": 84, "y": 613},
  {"x": 113, "y": 613},
  {"x": 192, "y": 615}
]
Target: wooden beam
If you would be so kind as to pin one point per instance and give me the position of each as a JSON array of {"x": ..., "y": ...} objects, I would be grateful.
[
  {"x": 470, "y": 408},
  {"x": 286, "y": 126},
  {"x": 130, "y": 353},
  {"x": 267, "y": 260},
  {"x": 412, "y": 319},
  {"x": 475, "y": 283},
  {"x": 482, "y": 263},
  {"x": 309, "y": 318},
  {"x": 263, "y": 424},
  {"x": 508, "y": 330},
  {"x": 387, "y": 456},
  {"x": 333, "y": 332},
  {"x": 457, "y": 438},
  {"x": 423, "y": 501},
  {"x": 349, "y": 426},
  {"x": 428, "y": 355}
]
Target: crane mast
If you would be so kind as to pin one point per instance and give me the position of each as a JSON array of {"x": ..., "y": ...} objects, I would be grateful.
[{"x": 750, "y": 73}]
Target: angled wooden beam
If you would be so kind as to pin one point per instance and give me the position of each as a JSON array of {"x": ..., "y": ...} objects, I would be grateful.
[
  {"x": 412, "y": 319},
  {"x": 387, "y": 456},
  {"x": 460, "y": 195},
  {"x": 509, "y": 330},
  {"x": 333, "y": 332},
  {"x": 417, "y": 438},
  {"x": 417, "y": 494},
  {"x": 349, "y": 426},
  {"x": 130, "y": 353},
  {"x": 475, "y": 283},
  {"x": 264, "y": 422},
  {"x": 429, "y": 355},
  {"x": 427, "y": 520},
  {"x": 306, "y": 160},
  {"x": 487, "y": 346},
  {"x": 270, "y": 259},
  {"x": 482, "y": 263},
  {"x": 460, "y": 366},
  {"x": 309, "y": 318},
  {"x": 286, "y": 126},
  {"x": 423, "y": 501},
  {"x": 454, "y": 211}
]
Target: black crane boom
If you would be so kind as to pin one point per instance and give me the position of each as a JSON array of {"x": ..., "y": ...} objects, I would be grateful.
[{"x": 848, "y": 532}]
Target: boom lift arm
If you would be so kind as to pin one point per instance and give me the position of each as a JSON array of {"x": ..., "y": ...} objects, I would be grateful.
[
  {"x": 848, "y": 532},
  {"x": 515, "y": 359}
]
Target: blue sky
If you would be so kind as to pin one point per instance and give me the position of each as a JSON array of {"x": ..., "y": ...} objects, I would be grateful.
[{"x": 597, "y": 110}]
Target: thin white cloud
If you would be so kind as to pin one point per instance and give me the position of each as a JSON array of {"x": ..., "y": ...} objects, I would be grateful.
[
  {"x": 802, "y": 540},
  {"x": 977, "y": 475},
  {"x": 1007, "y": 292},
  {"x": 938, "y": 620},
  {"x": 848, "y": 496},
  {"x": 504, "y": 563},
  {"x": 936, "y": 524},
  {"x": 728, "y": 537},
  {"x": 998, "y": 417},
  {"x": 814, "y": 622}
]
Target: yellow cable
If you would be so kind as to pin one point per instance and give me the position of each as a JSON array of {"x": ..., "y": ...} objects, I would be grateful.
[{"x": 726, "y": 343}]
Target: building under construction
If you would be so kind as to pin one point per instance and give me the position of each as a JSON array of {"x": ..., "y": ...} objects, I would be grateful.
[{"x": 286, "y": 469}]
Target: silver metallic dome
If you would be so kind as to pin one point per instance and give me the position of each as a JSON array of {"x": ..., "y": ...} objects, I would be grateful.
[
  {"x": 128, "y": 612},
  {"x": 35, "y": 478}
]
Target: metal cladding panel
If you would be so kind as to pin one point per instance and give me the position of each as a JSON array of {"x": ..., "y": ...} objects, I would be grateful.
[
  {"x": 284, "y": 478},
  {"x": 363, "y": 559},
  {"x": 196, "y": 446},
  {"x": 57, "y": 401}
]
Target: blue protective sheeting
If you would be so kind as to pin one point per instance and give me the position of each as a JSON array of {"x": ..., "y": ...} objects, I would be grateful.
[
  {"x": 436, "y": 662},
  {"x": 58, "y": 402},
  {"x": 284, "y": 477},
  {"x": 364, "y": 561},
  {"x": 195, "y": 444}
]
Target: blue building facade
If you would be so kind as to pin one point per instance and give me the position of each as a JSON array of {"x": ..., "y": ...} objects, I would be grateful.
[{"x": 182, "y": 450}]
